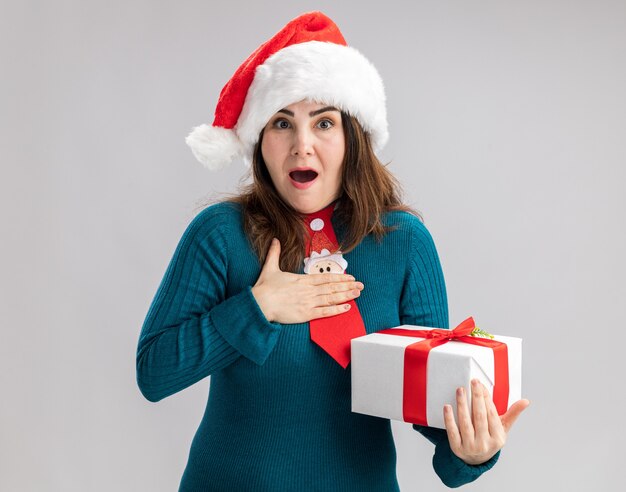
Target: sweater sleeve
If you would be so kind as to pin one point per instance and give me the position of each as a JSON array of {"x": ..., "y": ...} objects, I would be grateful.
[
  {"x": 424, "y": 303},
  {"x": 192, "y": 328},
  {"x": 451, "y": 469},
  {"x": 424, "y": 299}
]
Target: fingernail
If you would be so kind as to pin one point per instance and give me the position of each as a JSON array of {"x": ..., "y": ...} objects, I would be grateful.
[
  {"x": 447, "y": 408},
  {"x": 459, "y": 391}
]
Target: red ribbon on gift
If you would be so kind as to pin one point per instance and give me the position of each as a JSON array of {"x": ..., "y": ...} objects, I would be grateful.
[{"x": 416, "y": 363}]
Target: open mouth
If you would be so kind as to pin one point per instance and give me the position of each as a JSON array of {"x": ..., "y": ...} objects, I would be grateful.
[{"x": 303, "y": 176}]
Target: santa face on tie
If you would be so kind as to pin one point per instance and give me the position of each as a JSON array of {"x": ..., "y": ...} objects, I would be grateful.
[{"x": 325, "y": 262}]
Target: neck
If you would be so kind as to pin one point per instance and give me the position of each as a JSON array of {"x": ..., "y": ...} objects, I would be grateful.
[{"x": 332, "y": 206}]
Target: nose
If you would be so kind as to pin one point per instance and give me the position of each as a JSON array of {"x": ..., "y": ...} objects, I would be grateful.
[{"x": 302, "y": 142}]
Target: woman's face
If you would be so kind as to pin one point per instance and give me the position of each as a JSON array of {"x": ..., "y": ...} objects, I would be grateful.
[{"x": 303, "y": 147}]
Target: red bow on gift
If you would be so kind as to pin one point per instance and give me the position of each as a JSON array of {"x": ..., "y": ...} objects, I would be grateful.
[
  {"x": 462, "y": 330},
  {"x": 416, "y": 364}
]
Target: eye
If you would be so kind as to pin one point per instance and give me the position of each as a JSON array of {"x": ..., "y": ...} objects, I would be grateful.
[
  {"x": 321, "y": 270},
  {"x": 328, "y": 269},
  {"x": 281, "y": 124},
  {"x": 325, "y": 124}
]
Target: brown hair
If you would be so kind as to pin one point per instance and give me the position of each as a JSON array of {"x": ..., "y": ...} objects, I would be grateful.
[{"x": 368, "y": 190}]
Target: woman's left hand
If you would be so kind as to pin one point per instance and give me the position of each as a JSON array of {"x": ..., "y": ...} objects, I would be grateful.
[{"x": 482, "y": 434}]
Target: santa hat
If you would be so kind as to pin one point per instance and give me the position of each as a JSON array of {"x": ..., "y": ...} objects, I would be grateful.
[{"x": 306, "y": 59}]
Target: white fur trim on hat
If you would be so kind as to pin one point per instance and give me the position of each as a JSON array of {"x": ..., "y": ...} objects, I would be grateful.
[
  {"x": 320, "y": 71},
  {"x": 213, "y": 146}
]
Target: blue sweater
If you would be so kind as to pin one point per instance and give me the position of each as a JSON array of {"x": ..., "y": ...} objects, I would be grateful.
[{"x": 278, "y": 416}]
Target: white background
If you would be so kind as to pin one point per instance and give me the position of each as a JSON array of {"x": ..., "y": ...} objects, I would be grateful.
[{"x": 508, "y": 126}]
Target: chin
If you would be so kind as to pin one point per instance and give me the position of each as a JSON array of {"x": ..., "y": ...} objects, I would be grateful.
[
  {"x": 301, "y": 206},
  {"x": 307, "y": 203}
]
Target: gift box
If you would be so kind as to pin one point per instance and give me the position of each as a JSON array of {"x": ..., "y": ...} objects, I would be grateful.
[{"x": 409, "y": 373}]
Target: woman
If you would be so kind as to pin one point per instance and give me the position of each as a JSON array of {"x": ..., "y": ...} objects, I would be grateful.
[{"x": 271, "y": 320}]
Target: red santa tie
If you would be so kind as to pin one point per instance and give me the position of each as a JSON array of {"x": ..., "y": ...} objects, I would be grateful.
[{"x": 333, "y": 334}]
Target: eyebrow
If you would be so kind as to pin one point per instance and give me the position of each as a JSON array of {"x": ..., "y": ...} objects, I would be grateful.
[{"x": 312, "y": 113}]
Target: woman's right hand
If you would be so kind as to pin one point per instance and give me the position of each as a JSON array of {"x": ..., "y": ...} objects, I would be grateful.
[{"x": 286, "y": 297}]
